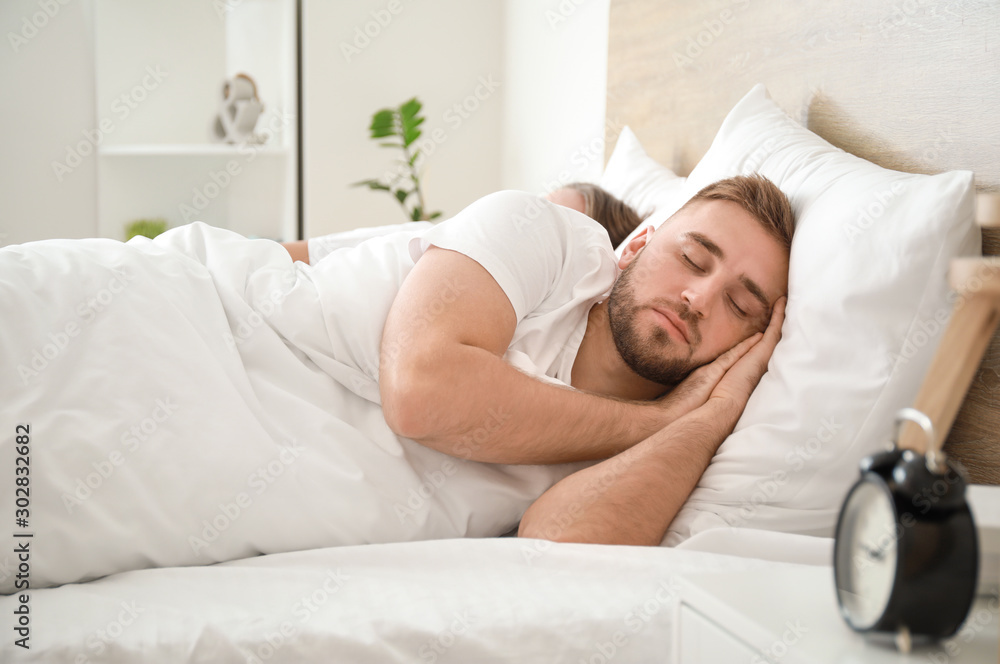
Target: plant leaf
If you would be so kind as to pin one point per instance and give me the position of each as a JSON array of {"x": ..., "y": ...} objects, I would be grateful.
[
  {"x": 384, "y": 123},
  {"x": 402, "y": 194},
  {"x": 410, "y": 108},
  {"x": 434, "y": 215},
  {"x": 385, "y": 131},
  {"x": 410, "y": 135},
  {"x": 374, "y": 185},
  {"x": 410, "y": 121},
  {"x": 384, "y": 118},
  {"x": 416, "y": 213}
]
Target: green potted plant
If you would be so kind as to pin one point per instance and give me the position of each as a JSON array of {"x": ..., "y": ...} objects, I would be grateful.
[{"x": 401, "y": 125}]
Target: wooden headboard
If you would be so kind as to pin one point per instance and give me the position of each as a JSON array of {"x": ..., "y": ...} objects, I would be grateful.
[{"x": 910, "y": 85}]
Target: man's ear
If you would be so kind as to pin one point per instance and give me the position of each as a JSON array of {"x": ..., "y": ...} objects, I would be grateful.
[{"x": 634, "y": 245}]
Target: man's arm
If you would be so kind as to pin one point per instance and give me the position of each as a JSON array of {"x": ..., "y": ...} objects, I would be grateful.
[
  {"x": 633, "y": 497},
  {"x": 444, "y": 382}
]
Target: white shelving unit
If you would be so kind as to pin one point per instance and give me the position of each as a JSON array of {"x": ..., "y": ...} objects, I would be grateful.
[
  {"x": 160, "y": 67},
  {"x": 195, "y": 149}
]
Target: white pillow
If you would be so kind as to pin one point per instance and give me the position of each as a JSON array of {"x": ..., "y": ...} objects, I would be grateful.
[
  {"x": 641, "y": 182},
  {"x": 868, "y": 300}
]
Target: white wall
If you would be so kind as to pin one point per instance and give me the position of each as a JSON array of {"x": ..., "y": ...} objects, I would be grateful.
[
  {"x": 541, "y": 126},
  {"x": 48, "y": 104},
  {"x": 438, "y": 50},
  {"x": 556, "y": 64}
]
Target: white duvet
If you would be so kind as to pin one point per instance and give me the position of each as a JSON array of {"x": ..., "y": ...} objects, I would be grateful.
[{"x": 185, "y": 406}]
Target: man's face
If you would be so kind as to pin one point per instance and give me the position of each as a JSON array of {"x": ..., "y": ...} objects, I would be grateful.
[{"x": 706, "y": 280}]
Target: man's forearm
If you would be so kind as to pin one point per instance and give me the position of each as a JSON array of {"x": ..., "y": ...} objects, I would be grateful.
[
  {"x": 477, "y": 406},
  {"x": 633, "y": 497}
]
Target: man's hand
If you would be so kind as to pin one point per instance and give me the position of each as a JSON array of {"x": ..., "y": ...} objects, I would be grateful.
[
  {"x": 695, "y": 390},
  {"x": 734, "y": 389},
  {"x": 702, "y": 383}
]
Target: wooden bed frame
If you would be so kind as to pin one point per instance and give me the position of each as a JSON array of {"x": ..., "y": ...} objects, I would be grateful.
[{"x": 910, "y": 85}]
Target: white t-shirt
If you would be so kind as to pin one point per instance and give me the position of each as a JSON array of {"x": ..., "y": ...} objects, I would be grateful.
[{"x": 553, "y": 263}]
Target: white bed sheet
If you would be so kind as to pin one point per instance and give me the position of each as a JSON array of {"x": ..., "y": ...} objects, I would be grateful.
[{"x": 458, "y": 600}]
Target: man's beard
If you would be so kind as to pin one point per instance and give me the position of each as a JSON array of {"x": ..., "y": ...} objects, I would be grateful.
[{"x": 657, "y": 357}]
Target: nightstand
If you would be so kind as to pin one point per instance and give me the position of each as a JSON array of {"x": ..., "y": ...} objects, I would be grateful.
[{"x": 791, "y": 617}]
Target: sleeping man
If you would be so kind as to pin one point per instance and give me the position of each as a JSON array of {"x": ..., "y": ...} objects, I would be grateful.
[{"x": 644, "y": 363}]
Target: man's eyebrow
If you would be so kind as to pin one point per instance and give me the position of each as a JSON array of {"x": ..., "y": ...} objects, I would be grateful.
[
  {"x": 756, "y": 291},
  {"x": 712, "y": 247}
]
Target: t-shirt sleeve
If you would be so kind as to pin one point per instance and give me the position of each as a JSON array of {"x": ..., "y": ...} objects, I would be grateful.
[
  {"x": 322, "y": 246},
  {"x": 525, "y": 242}
]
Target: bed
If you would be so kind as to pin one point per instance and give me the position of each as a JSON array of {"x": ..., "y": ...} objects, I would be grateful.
[{"x": 677, "y": 72}]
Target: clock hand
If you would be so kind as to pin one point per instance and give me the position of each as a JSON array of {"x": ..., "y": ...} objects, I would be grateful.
[{"x": 875, "y": 554}]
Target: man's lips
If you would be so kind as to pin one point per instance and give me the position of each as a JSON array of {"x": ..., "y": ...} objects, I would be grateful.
[{"x": 675, "y": 322}]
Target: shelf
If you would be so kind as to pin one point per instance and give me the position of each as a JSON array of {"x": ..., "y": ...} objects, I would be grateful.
[
  {"x": 161, "y": 157},
  {"x": 188, "y": 149}
]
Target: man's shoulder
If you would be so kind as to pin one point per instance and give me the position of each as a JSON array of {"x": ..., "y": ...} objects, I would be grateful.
[
  {"x": 527, "y": 210},
  {"x": 512, "y": 202}
]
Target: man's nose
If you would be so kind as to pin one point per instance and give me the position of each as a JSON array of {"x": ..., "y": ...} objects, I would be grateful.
[{"x": 696, "y": 297}]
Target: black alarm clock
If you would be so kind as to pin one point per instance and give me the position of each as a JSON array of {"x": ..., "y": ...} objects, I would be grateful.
[{"x": 906, "y": 554}]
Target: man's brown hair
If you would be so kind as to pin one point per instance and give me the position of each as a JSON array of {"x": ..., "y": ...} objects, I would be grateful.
[
  {"x": 760, "y": 198},
  {"x": 618, "y": 218}
]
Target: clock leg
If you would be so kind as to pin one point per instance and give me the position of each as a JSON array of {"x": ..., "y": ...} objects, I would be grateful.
[
  {"x": 904, "y": 641},
  {"x": 954, "y": 366}
]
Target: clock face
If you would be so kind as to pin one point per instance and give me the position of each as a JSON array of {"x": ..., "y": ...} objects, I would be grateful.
[{"x": 866, "y": 554}]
